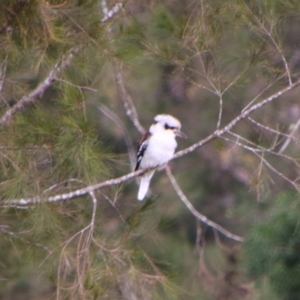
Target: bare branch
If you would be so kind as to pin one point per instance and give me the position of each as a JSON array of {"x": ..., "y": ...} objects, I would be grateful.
[
  {"x": 240, "y": 117},
  {"x": 15, "y": 236},
  {"x": 109, "y": 14},
  {"x": 112, "y": 203},
  {"x": 234, "y": 81},
  {"x": 127, "y": 101},
  {"x": 85, "y": 237},
  {"x": 295, "y": 185},
  {"x": 260, "y": 149},
  {"x": 74, "y": 194},
  {"x": 263, "y": 160},
  {"x": 125, "y": 97},
  {"x": 268, "y": 33},
  {"x": 198, "y": 215},
  {"x": 290, "y": 136},
  {"x": 3, "y": 67},
  {"x": 31, "y": 98},
  {"x": 220, "y": 112},
  {"x": 111, "y": 115},
  {"x": 76, "y": 86},
  {"x": 261, "y": 126},
  {"x": 190, "y": 80},
  {"x": 261, "y": 93},
  {"x": 216, "y": 90}
]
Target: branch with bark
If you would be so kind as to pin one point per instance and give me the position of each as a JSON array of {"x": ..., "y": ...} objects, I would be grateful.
[
  {"x": 63, "y": 63},
  {"x": 198, "y": 215}
]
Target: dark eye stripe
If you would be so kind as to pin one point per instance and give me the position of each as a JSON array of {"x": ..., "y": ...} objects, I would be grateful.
[{"x": 169, "y": 127}]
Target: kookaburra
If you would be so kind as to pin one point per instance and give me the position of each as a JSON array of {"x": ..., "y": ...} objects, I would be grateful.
[{"x": 156, "y": 147}]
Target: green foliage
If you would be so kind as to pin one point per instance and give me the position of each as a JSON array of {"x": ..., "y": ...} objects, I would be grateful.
[
  {"x": 128, "y": 45},
  {"x": 176, "y": 57},
  {"x": 164, "y": 24},
  {"x": 272, "y": 249}
]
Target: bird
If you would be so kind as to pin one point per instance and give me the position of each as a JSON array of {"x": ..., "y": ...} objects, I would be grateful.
[{"x": 156, "y": 147}]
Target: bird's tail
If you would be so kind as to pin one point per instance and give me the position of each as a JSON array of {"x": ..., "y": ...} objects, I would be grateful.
[{"x": 144, "y": 185}]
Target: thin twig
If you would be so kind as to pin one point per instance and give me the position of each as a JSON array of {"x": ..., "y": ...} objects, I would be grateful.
[
  {"x": 262, "y": 126},
  {"x": 79, "y": 87},
  {"x": 3, "y": 67},
  {"x": 269, "y": 34},
  {"x": 254, "y": 151},
  {"x": 240, "y": 117},
  {"x": 290, "y": 137},
  {"x": 261, "y": 93},
  {"x": 15, "y": 236},
  {"x": 109, "y": 14},
  {"x": 220, "y": 111},
  {"x": 124, "y": 96},
  {"x": 127, "y": 101},
  {"x": 83, "y": 246},
  {"x": 198, "y": 215},
  {"x": 260, "y": 149},
  {"x": 112, "y": 116}
]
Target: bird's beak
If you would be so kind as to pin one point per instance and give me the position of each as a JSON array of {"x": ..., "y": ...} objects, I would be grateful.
[{"x": 181, "y": 134}]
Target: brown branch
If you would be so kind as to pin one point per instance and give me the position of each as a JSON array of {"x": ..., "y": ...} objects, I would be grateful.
[
  {"x": 31, "y": 98},
  {"x": 198, "y": 215}
]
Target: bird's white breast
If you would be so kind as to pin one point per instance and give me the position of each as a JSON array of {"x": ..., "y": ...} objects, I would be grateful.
[{"x": 160, "y": 150}]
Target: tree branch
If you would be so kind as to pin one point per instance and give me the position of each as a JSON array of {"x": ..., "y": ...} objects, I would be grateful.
[
  {"x": 198, "y": 215},
  {"x": 263, "y": 160},
  {"x": 31, "y": 98},
  {"x": 240, "y": 117},
  {"x": 3, "y": 68},
  {"x": 74, "y": 194},
  {"x": 112, "y": 116},
  {"x": 119, "y": 180},
  {"x": 127, "y": 101},
  {"x": 278, "y": 48},
  {"x": 109, "y": 14},
  {"x": 290, "y": 136}
]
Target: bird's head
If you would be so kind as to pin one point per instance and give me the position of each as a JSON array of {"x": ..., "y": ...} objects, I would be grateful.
[{"x": 166, "y": 122}]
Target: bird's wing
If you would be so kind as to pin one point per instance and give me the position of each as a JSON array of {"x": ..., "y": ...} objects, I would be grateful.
[{"x": 142, "y": 146}]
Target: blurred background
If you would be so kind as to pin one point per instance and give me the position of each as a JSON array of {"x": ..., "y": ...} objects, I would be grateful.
[{"x": 203, "y": 62}]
